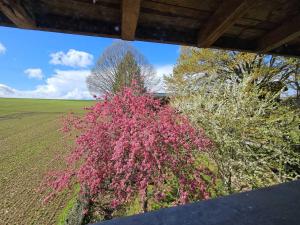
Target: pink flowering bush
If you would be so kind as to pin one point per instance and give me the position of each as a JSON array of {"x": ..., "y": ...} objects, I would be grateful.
[{"x": 130, "y": 146}]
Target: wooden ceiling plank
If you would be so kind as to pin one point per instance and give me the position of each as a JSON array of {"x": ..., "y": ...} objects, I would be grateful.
[
  {"x": 14, "y": 11},
  {"x": 130, "y": 15},
  {"x": 174, "y": 10},
  {"x": 283, "y": 34},
  {"x": 222, "y": 19}
]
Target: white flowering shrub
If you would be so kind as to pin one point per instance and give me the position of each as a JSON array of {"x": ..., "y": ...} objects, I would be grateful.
[{"x": 253, "y": 134}]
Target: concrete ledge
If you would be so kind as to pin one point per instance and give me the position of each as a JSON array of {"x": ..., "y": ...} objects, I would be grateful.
[{"x": 276, "y": 205}]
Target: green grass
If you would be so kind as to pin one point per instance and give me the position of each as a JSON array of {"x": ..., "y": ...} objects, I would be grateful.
[
  {"x": 14, "y": 105},
  {"x": 29, "y": 146},
  {"x": 62, "y": 217}
]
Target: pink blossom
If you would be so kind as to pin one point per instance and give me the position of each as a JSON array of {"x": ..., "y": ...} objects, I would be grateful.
[{"x": 129, "y": 141}]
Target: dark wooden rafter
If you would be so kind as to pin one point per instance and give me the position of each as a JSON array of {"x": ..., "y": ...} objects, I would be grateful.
[
  {"x": 130, "y": 15},
  {"x": 223, "y": 18},
  {"x": 14, "y": 11},
  {"x": 288, "y": 31},
  {"x": 207, "y": 23}
]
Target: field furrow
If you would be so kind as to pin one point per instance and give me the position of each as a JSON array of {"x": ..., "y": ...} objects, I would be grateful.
[{"x": 29, "y": 145}]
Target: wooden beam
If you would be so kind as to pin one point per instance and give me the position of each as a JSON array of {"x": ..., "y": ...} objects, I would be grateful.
[
  {"x": 130, "y": 15},
  {"x": 14, "y": 11},
  {"x": 280, "y": 36},
  {"x": 222, "y": 19}
]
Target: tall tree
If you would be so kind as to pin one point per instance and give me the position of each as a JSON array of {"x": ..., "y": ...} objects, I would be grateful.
[
  {"x": 128, "y": 71},
  {"x": 271, "y": 73},
  {"x": 294, "y": 78},
  {"x": 254, "y": 137},
  {"x": 119, "y": 61}
]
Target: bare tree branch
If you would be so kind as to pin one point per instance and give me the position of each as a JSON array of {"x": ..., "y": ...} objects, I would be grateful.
[{"x": 104, "y": 75}]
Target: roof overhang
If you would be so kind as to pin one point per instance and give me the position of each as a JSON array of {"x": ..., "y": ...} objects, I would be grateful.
[{"x": 260, "y": 26}]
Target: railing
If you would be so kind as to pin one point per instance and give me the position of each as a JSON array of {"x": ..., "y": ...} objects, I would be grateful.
[{"x": 276, "y": 205}]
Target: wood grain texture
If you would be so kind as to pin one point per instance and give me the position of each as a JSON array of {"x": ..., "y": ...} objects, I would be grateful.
[
  {"x": 245, "y": 25},
  {"x": 221, "y": 20},
  {"x": 288, "y": 31},
  {"x": 130, "y": 15},
  {"x": 14, "y": 11}
]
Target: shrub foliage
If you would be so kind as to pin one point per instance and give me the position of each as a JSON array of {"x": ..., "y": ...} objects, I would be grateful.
[
  {"x": 253, "y": 136},
  {"x": 130, "y": 147}
]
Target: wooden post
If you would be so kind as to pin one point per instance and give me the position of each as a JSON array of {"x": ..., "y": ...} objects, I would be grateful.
[{"x": 130, "y": 15}]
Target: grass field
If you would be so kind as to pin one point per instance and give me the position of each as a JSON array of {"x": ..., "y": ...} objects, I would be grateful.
[{"x": 29, "y": 141}]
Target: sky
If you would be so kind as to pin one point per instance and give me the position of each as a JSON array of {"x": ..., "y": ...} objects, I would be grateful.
[{"x": 38, "y": 64}]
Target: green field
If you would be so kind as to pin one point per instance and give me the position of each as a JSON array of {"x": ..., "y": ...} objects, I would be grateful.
[{"x": 29, "y": 144}]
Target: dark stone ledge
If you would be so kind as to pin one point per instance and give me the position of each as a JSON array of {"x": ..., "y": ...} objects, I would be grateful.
[{"x": 276, "y": 205}]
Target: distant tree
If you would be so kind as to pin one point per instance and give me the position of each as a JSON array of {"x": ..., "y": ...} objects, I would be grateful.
[
  {"x": 128, "y": 71},
  {"x": 119, "y": 64}
]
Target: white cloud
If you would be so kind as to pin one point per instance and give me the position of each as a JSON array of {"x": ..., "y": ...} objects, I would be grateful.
[
  {"x": 35, "y": 73},
  {"x": 161, "y": 71},
  {"x": 72, "y": 58},
  {"x": 63, "y": 84},
  {"x": 70, "y": 84},
  {"x": 6, "y": 91},
  {"x": 2, "y": 49}
]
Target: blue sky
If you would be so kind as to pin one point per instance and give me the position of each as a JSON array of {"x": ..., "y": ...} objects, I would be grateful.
[{"x": 54, "y": 65}]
